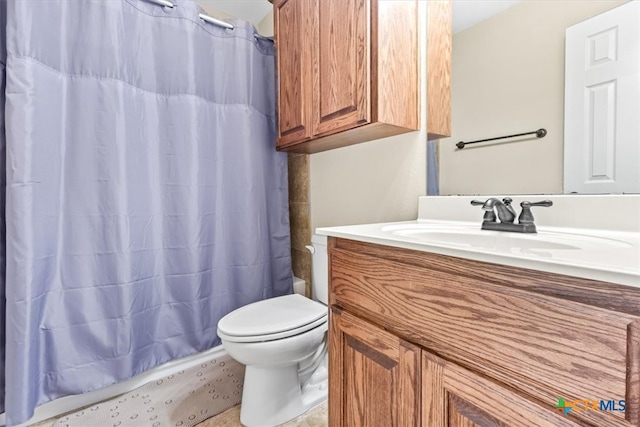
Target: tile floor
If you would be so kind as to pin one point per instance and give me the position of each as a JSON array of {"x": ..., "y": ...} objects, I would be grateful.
[{"x": 316, "y": 417}]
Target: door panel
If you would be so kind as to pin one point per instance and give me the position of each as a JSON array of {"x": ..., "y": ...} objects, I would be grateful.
[
  {"x": 602, "y": 100},
  {"x": 341, "y": 70},
  {"x": 293, "y": 28}
]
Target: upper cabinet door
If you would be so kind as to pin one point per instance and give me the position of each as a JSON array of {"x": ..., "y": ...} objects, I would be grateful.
[
  {"x": 293, "y": 29},
  {"x": 341, "y": 69}
]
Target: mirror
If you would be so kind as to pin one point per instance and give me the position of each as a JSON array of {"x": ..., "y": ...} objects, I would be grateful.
[{"x": 508, "y": 78}]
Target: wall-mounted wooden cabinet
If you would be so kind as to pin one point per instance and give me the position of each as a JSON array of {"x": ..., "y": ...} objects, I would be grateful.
[{"x": 348, "y": 70}]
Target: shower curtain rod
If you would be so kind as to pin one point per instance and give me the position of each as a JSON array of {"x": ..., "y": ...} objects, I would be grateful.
[
  {"x": 206, "y": 18},
  {"x": 215, "y": 21}
]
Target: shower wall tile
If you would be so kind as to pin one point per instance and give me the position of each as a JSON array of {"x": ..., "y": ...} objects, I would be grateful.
[
  {"x": 299, "y": 216},
  {"x": 299, "y": 178},
  {"x": 300, "y": 226}
]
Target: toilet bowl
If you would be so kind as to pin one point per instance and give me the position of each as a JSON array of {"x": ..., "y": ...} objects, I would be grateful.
[{"x": 282, "y": 343}]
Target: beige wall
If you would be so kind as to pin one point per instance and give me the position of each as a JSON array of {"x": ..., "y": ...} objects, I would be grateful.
[
  {"x": 374, "y": 181},
  {"x": 508, "y": 77},
  {"x": 265, "y": 27},
  {"x": 215, "y": 13}
]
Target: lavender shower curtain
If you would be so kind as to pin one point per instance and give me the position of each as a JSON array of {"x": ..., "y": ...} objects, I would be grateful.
[{"x": 144, "y": 197}]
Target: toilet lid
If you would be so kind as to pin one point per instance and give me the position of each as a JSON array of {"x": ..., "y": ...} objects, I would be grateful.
[{"x": 272, "y": 316}]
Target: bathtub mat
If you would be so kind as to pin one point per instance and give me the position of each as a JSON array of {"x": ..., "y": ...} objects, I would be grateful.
[{"x": 183, "y": 399}]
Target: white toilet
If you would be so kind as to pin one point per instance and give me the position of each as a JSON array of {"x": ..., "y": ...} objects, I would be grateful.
[{"x": 283, "y": 343}]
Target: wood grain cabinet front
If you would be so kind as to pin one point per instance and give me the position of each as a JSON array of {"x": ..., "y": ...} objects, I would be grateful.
[
  {"x": 456, "y": 397},
  {"x": 375, "y": 376},
  {"x": 294, "y": 20},
  {"x": 501, "y": 345},
  {"x": 348, "y": 71}
]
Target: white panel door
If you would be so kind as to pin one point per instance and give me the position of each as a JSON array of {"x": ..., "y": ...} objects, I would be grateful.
[{"x": 602, "y": 103}]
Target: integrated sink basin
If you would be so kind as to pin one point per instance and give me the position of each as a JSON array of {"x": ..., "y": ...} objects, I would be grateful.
[
  {"x": 473, "y": 237},
  {"x": 593, "y": 237}
]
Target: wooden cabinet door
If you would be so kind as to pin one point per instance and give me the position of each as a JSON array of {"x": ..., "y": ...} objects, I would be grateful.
[
  {"x": 455, "y": 397},
  {"x": 341, "y": 65},
  {"x": 294, "y": 20},
  {"x": 373, "y": 376}
]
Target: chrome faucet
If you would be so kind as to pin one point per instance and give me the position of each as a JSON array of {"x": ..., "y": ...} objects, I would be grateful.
[{"x": 507, "y": 214}]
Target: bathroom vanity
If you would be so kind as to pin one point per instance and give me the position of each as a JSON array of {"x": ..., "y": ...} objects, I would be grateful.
[{"x": 433, "y": 333}]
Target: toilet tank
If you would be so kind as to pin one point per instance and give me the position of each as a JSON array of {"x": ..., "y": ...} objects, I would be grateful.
[
  {"x": 299, "y": 286},
  {"x": 320, "y": 268}
]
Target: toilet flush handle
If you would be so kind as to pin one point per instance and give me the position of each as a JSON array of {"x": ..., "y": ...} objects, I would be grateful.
[{"x": 311, "y": 249}]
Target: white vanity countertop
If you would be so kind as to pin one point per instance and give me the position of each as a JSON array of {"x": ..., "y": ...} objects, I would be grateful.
[{"x": 610, "y": 255}]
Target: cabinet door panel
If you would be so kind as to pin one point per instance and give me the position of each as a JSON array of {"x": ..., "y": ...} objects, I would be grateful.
[
  {"x": 341, "y": 70},
  {"x": 374, "y": 376},
  {"x": 368, "y": 378},
  {"x": 462, "y": 414},
  {"x": 456, "y": 397},
  {"x": 293, "y": 28}
]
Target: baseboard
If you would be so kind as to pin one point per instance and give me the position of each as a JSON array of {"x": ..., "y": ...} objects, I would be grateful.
[{"x": 60, "y": 406}]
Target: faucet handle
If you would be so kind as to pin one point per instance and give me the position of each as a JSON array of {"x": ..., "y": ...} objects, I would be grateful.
[
  {"x": 489, "y": 216},
  {"x": 526, "y": 217},
  {"x": 544, "y": 203}
]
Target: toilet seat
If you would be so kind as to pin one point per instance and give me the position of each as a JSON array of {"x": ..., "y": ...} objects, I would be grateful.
[
  {"x": 272, "y": 319},
  {"x": 272, "y": 337}
]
